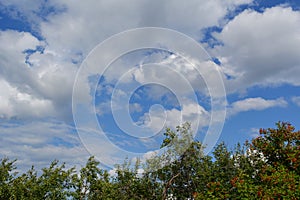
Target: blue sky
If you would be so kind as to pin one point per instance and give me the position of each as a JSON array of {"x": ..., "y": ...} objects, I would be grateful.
[{"x": 254, "y": 45}]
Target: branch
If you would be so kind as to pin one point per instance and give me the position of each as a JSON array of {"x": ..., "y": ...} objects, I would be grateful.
[{"x": 167, "y": 186}]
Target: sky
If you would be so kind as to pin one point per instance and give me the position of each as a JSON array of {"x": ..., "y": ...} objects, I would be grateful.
[{"x": 105, "y": 78}]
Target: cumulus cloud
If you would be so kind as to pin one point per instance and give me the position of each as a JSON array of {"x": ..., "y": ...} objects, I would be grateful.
[
  {"x": 254, "y": 104},
  {"x": 261, "y": 48},
  {"x": 74, "y": 27},
  {"x": 36, "y": 82},
  {"x": 22, "y": 105},
  {"x": 18, "y": 83},
  {"x": 70, "y": 30},
  {"x": 158, "y": 118}
]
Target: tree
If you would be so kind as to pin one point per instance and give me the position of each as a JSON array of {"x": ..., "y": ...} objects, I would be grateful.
[
  {"x": 92, "y": 182},
  {"x": 265, "y": 168},
  {"x": 184, "y": 164},
  {"x": 268, "y": 169},
  {"x": 280, "y": 175},
  {"x": 6, "y": 177},
  {"x": 279, "y": 146}
]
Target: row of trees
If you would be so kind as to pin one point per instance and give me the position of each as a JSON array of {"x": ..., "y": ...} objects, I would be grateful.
[{"x": 265, "y": 168}]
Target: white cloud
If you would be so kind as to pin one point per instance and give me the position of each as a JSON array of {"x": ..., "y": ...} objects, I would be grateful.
[
  {"x": 158, "y": 119},
  {"x": 38, "y": 143},
  {"x": 261, "y": 48},
  {"x": 22, "y": 105},
  {"x": 82, "y": 25},
  {"x": 254, "y": 104},
  {"x": 296, "y": 100},
  {"x": 254, "y": 132},
  {"x": 41, "y": 89},
  {"x": 135, "y": 107},
  {"x": 92, "y": 21},
  {"x": 73, "y": 29},
  {"x": 180, "y": 77},
  {"x": 18, "y": 83}
]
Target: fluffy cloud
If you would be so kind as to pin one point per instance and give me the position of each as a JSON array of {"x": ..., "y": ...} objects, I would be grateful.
[
  {"x": 254, "y": 104},
  {"x": 261, "y": 48},
  {"x": 34, "y": 84},
  {"x": 17, "y": 82},
  {"x": 70, "y": 30},
  {"x": 159, "y": 118},
  {"x": 74, "y": 27},
  {"x": 22, "y": 105}
]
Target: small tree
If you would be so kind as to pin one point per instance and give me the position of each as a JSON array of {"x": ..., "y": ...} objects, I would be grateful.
[
  {"x": 278, "y": 176},
  {"x": 92, "y": 182},
  {"x": 6, "y": 177},
  {"x": 181, "y": 169}
]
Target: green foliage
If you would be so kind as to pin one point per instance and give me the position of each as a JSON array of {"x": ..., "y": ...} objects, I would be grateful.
[
  {"x": 182, "y": 162},
  {"x": 280, "y": 146},
  {"x": 278, "y": 176},
  {"x": 6, "y": 177},
  {"x": 92, "y": 182},
  {"x": 265, "y": 168},
  {"x": 269, "y": 169}
]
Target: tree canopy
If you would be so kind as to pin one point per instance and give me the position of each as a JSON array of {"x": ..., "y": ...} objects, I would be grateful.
[{"x": 268, "y": 167}]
